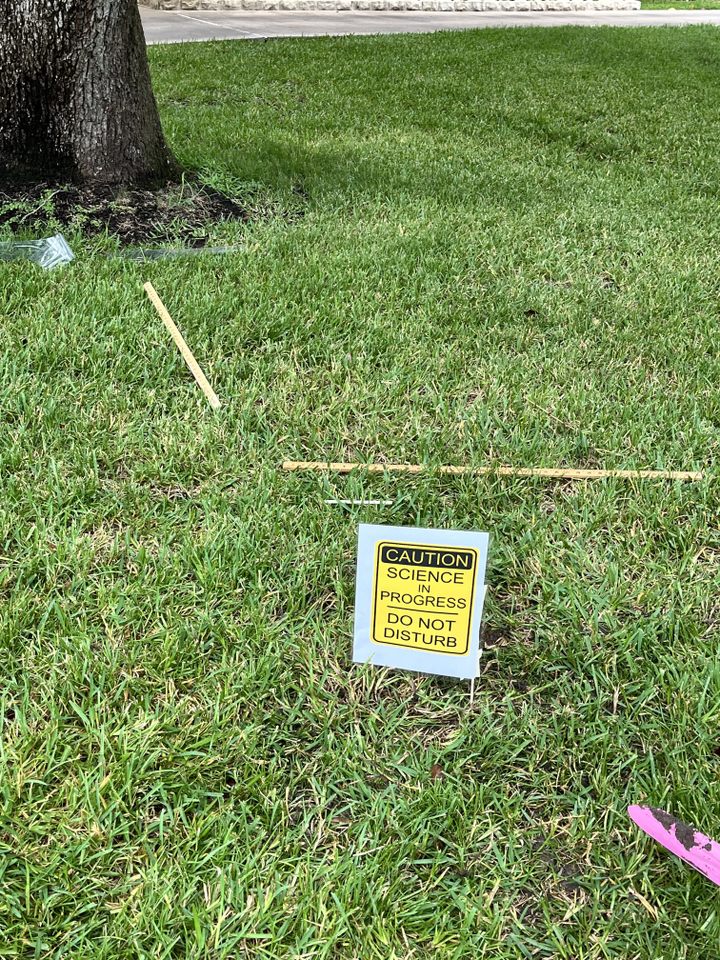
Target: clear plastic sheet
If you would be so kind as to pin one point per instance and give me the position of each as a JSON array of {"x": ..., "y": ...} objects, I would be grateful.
[
  {"x": 54, "y": 251},
  {"x": 170, "y": 253},
  {"x": 48, "y": 254}
]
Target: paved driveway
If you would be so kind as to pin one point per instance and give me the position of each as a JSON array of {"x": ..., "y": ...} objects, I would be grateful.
[{"x": 174, "y": 26}]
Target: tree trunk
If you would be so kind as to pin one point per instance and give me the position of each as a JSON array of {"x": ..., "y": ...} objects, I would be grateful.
[{"x": 75, "y": 94}]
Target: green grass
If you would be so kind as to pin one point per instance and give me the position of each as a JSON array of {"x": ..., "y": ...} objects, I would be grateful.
[
  {"x": 681, "y": 4},
  {"x": 498, "y": 246}
]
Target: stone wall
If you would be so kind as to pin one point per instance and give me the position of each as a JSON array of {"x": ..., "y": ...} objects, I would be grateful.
[{"x": 449, "y": 6}]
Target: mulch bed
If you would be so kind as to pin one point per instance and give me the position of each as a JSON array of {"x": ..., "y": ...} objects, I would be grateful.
[{"x": 170, "y": 214}]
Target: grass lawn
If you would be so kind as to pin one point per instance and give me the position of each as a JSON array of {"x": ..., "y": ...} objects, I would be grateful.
[
  {"x": 681, "y": 4},
  {"x": 498, "y": 246}
]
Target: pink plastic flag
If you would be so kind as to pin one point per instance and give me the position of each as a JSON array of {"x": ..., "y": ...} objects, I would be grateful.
[{"x": 690, "y": 845}]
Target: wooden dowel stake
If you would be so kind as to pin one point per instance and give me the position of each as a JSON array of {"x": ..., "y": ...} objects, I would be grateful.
[
  {"x": 201, "y": 379},
  {"x": 550, "y": 473}
]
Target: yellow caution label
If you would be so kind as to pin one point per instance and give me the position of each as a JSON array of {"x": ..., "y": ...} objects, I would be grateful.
[{"x": 423, "y": 596}]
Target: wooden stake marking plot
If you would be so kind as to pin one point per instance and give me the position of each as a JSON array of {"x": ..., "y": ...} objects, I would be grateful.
[
  {"x": 200, "y": 378},
  {"x": 549, "y": 473}
]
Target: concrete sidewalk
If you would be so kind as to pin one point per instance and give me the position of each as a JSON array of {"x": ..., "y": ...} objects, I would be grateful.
[{"x": 176, "y": 26}]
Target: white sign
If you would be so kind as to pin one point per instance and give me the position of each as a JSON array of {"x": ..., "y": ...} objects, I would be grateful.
[{"x": 419, "y": 598}]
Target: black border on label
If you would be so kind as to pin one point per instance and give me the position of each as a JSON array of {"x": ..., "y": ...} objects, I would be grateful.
[{"x": 404, "y": 646}]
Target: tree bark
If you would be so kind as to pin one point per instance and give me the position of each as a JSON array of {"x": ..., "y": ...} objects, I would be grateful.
[{"x": 76, "y": 99}]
